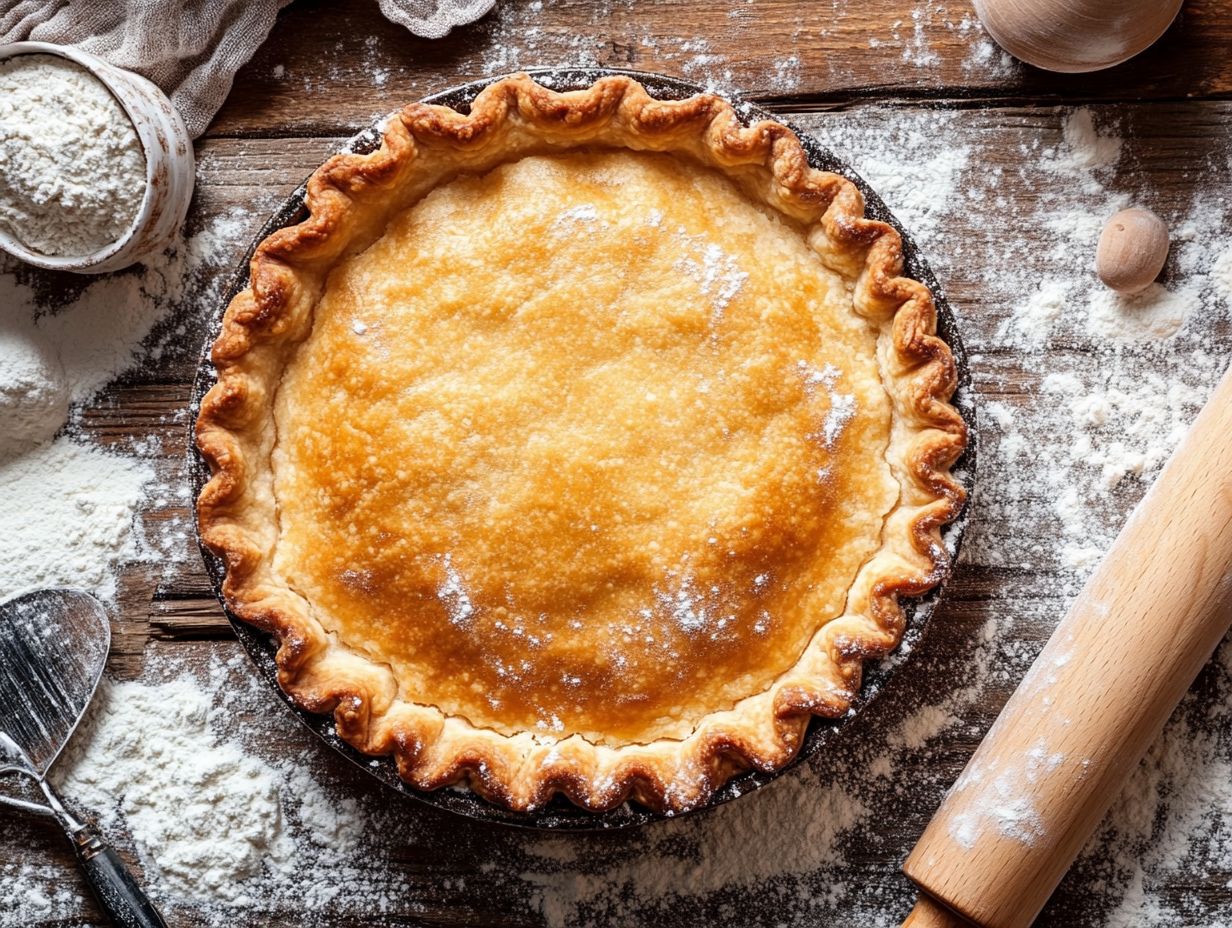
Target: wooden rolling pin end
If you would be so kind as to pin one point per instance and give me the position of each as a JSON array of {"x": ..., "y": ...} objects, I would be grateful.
[
  {"x": 1095, "y": 698},
  {"x": 931, "y": 914}
]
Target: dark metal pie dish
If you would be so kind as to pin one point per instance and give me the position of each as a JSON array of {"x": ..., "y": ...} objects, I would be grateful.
[{"x": 560, "y": 813}]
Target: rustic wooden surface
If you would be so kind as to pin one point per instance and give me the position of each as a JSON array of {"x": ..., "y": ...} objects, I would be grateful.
[{"x": 330, "y": 67}]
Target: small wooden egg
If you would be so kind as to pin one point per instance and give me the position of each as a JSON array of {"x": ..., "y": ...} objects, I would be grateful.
[
  {"x": 1076, "y": 35},
  {"x": 1132, "y": 250}
]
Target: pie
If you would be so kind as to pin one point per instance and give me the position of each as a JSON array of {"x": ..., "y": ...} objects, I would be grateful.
[{"x": 582, "y": 443}]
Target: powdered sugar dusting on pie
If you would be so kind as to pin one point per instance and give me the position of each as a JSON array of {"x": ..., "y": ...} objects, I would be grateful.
[
  {"x": 842, "y": 409},
  {"x": 685, "y": 606},
  {"x": 454, "y": 596},
  {"x": 585, "y": 212},
  {"x": 718, "y": 274},
  {"x": 612, "y": 444},
  {"x": 842, "y": 405}
]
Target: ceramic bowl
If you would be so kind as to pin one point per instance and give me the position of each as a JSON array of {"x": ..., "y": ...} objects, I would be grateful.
[{"x": 169, "y": 167}]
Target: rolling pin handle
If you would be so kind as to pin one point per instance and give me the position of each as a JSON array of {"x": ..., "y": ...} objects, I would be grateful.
[
  {"x": 928, "y": 913},
  {"x": 1097, "y": 695}
]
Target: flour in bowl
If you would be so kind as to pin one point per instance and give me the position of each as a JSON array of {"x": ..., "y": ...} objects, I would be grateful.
[{"x": 72, "y": 171}]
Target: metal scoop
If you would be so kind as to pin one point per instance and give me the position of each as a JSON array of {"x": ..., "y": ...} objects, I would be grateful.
[{"x": 53, "y": 645}]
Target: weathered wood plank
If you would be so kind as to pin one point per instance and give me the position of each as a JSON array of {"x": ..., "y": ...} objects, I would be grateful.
[
  {"x": 244, "y": 178},
  {"x": 332, "y": 67},
  {"x": 343, "y": 64}
]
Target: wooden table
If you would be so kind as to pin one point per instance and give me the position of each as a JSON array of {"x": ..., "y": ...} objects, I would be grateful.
[{"x": 330, "y": 67}]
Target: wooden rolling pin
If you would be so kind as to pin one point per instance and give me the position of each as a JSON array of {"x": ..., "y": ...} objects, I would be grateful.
[{"x": 1093, "y": 701}]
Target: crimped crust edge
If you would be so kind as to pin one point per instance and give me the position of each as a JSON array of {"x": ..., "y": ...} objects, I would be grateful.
[{"x": 523, "y": 771}]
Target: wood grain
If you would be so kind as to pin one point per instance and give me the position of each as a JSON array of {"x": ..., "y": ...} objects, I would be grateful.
[
  {"x": 333, "y": 67},
  {"x": 1096, "y": 697},
  {"x": 330, "y": 67},
  {"x": 929, "y": 914}
]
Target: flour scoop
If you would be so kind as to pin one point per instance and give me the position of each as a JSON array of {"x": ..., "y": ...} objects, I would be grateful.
[{"x": 53, "y": 645}]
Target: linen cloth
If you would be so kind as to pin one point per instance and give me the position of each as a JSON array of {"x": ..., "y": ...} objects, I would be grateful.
[{"x": 192, "y": 48}]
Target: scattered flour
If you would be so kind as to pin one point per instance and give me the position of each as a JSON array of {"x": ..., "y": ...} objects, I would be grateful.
[
  {"x": 453, "y": 596},
  {"x": 587, "y": 212},
  {"x": 1126, "y": 374},
  {"x": 33, "y": 390},
  {"x": 94, "y": 335},
  {"x": 1173, "y": 821},
  {"x": 56, "y": 354},
  {"x": 1011, "y": 812},
  {"x": 1086, "y": 147},
  {"x": 1222, "y": 273},
  {"x": 526, "y": 35},
  {"x": 85, "y": 498},
  {"x": 985, "y": 58},
  {"x": 921, "y": 189},
  {"x": 218, "y": 828},
  {"x": 718, "y": 274},
  {"x": 203, "y": 811},
  {"x": 1030, "y": 325},
  {"x": 1069, "y": 440},
  {"x": 677, "y": 864}
]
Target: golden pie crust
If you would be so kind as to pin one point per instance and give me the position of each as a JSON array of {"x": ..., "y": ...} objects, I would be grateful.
[{"x": 582, "y": 443}]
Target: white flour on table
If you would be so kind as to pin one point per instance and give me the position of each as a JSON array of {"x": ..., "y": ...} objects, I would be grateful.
[
  {"x": 207, "y": 814},
  {"x": 219, "y": 830},
  {"x": 56, "y": 354},
  {"x": 1069, "y": 440},
  {"x": 524, "y": 35},
  {"x": 33, "y": 389},
  {"x": 213, "y": 822}
]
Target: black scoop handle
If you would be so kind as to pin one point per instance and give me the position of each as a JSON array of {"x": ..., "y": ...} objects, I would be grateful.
[{"x": 118, "y": 894}]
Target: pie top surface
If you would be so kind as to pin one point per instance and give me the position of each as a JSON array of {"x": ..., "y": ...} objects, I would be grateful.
[
  {"x": 583, "y": 443},
  {"x": 596, "y": 457}
]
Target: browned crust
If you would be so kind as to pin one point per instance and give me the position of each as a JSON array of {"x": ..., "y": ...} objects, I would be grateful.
[{"x": 274, "y": 312}]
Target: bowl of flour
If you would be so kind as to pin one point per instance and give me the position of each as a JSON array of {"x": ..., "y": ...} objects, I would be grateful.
[{"x": 96, "y": 167}]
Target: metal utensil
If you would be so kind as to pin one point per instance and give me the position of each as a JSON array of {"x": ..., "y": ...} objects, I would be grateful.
[{"x": 53, "y": 646}]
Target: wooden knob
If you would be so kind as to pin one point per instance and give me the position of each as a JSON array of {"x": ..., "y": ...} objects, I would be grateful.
[
  {"x": 1132, "y": 250},
  {"x": 1096, "y": 697}
]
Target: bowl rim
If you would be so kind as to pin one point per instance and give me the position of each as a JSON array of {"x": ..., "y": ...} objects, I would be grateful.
[
  {"x": 560, "y": 814},
  {"x": 99, "y": 69}
]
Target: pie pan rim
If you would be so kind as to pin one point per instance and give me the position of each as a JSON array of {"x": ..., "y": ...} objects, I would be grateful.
[{"x": 558, "y": 813}]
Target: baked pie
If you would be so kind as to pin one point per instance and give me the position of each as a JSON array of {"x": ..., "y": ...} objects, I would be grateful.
[{"x": 582, "y": 443}]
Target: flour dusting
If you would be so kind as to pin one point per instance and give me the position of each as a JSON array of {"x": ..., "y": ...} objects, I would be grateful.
[
  {"x": 57, "y": 352},
  {"x": 219, "y": 829},
  {"x": 72, "y": 170},
  {"x": 1083, "y": 396}
]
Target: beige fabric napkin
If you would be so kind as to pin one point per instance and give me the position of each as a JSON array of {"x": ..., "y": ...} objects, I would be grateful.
[{"x": 192, "y": 48}]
